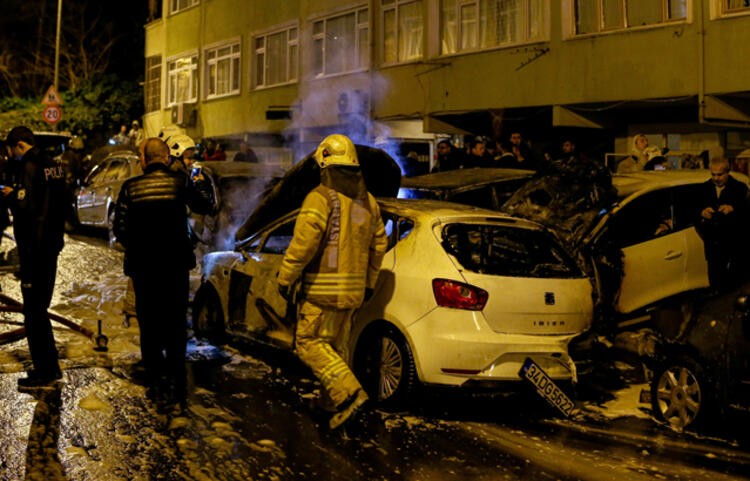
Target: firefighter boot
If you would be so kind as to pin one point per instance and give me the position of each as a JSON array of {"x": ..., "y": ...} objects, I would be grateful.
[{"x": 348, "y": 409}]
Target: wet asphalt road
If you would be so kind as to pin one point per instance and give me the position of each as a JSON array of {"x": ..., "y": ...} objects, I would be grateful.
[{"x": 249, "y": 417}]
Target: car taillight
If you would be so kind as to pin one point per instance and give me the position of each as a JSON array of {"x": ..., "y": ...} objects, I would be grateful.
[{"x": 459, "y": 295}]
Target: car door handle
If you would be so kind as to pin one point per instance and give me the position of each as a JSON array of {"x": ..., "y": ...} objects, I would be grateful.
[{"x": 671, "y": 255}]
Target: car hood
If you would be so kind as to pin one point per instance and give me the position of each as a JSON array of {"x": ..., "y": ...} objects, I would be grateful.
[
  {"x": 568, "y": 197},
  {"x": 381, "y": 173}
]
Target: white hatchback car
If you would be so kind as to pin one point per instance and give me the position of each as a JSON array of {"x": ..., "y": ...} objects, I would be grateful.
[{"x": 464, "y": 296}]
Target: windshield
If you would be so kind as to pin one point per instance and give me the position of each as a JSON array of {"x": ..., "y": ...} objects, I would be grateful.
[
  {"x": 507, "y": 251},
  {"x": 52, "y": 144}
]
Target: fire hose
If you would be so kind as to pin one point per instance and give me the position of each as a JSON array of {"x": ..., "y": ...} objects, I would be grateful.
[{"x": 11, "y": 305}]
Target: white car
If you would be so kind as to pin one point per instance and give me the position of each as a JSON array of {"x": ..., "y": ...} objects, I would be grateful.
[
  {"x": 464, "y": 296},
  {"x": 652, "y": 224}
]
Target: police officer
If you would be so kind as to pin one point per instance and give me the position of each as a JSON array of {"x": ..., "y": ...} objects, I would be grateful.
[
  {"x": 38, "y": 201},
  {"x": 336, "y": 251}
]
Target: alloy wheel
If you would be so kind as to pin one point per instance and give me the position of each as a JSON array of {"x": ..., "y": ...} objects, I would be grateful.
[
  {"x": 391, "y": 368},
  {"x": 678, "y": 396}
]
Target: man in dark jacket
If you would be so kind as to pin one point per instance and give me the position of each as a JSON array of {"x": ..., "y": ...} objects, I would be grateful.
[
  {"x": 151, "y": 223},
  {"x": 38, "y": 201},
  {"x": 723, "y": 225}
]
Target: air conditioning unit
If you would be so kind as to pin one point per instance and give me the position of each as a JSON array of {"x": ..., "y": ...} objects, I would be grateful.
[
  {"x": 354, "y": 102},
  {"x": 184, "y": 114}
]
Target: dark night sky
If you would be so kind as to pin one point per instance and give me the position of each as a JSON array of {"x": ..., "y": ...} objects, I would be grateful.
[{"x": 22, "y": 22}]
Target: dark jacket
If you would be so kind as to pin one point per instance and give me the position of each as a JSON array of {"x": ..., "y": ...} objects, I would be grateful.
[
  {"x": 151, "y": 219},
  {"x": 727, "y": 229},
  {"x": 38, "y": 204}
]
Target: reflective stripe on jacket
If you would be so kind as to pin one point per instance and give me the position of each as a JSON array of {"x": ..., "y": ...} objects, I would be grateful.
[{"x": 339, "y": 243}]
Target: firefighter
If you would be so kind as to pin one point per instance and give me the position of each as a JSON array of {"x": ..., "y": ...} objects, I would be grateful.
[{"x": 335, "y": 254}]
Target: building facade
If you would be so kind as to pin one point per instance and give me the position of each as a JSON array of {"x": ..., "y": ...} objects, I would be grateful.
[{"x": 280, "y": 74}]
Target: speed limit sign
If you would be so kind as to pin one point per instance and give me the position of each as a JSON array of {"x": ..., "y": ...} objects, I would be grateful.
[{"x": 52, "y": 113}]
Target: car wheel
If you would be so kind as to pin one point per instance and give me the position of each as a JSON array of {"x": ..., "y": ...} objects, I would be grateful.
[
  {"x": 679, "y": 393},
  {"x": 208, "y": 320},
  {"x": 385, "y": 366}
]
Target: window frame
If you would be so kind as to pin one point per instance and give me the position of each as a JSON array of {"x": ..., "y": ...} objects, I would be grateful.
[
  {"x": 361, "y": 29},
  {"x": 725, "y": 10},
  {"x": 396, "y": 6},
  {"x": 292, "y": 60},
  {"x": 193, "y": 68},
  {"x": 462, "y": 44},
  {"x": 235, "y": 72},
  {"x": 152, "y": 84},
  {"x": 175, "y": 8},
  {"x": 624, "y": 25}
]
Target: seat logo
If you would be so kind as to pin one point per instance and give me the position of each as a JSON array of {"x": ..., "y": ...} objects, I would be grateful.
[{"x": 549, "y": 298}]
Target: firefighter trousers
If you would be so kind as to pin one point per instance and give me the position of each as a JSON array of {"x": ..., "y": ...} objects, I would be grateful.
[{"x": 321, "y": 342}]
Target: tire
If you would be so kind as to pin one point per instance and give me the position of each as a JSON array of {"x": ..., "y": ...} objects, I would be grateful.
[
  {"x": 680, "y": 393},
  {"x": 384, "y": 364},
  {"x": 208, "y": 319}
]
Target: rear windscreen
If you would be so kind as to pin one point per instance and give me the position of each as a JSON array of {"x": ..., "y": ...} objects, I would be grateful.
[{"x": 508, "y": 251}]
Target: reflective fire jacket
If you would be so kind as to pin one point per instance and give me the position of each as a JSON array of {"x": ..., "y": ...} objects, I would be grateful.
[{"x": 337, "y": 248}]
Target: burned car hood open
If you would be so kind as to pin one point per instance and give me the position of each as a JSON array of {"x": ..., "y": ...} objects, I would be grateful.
[
  {"x": 381, "y": 173},
  {"x": 567, "y": 196}
]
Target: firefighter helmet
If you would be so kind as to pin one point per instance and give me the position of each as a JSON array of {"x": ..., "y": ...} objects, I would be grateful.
[
  {"x": 178, "y": 144},
  {"x": 336, "y": 150}
]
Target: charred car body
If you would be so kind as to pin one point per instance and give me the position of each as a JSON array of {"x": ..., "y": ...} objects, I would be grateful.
[
  {"x": 704, "y": 372},
  {"x": 488, "y": 188},
  {"x": 636, "y": 237}
]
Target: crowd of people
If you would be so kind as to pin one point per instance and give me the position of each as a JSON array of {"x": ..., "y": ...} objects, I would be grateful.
[
  {"x": 210, "y": 149},
  {"x": 513, "y": 152}
]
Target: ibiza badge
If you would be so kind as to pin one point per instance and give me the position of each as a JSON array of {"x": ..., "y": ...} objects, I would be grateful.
[{"x": 21, "y": 194}]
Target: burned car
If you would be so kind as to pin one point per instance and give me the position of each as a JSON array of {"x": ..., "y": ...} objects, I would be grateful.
[
  {"x": 464, "y": 296},
  {"x": 488, "y": 188},
  {"x": 637, "y": 239},
  {"x": 704, "y": 373},
  {"x": 238, "y": 189}
]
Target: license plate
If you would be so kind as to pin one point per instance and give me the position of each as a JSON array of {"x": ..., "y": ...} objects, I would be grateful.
[{"x": 546, "y": 387}]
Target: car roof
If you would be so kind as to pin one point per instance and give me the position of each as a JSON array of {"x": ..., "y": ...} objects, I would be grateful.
[
  {"x": 452, "y": 179},
  {"x": 633, "y": 182},
  {"x": 428, "y": 209}
]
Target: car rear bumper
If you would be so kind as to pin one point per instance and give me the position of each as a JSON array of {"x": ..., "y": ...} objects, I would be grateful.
[{"x": 452, "y": 347}]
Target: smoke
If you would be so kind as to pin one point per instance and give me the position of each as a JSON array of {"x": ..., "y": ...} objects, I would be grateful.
[
  {"x": 341, "y": 110},
  {"x": 239, "y": 198}
]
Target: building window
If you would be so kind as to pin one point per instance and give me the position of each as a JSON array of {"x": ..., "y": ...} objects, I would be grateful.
[
  {"x": 180, "y": 5},
  {"x": 276, "y": 58},
  {"x": 340, "y": 43},
  {"x": 222, "y": 70},
  {"x": 734, "y": 6},
  {"x": 182, "y": 74},
  {"x": 480, "y": 24},
  {"x": 152, "y": 85},
  {"x": 592, "y": 16},
  {"x": 403, "y": 26}
]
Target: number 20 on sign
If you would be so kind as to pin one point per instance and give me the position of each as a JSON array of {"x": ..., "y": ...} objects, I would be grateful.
[{"x": 52, "y": 114}]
